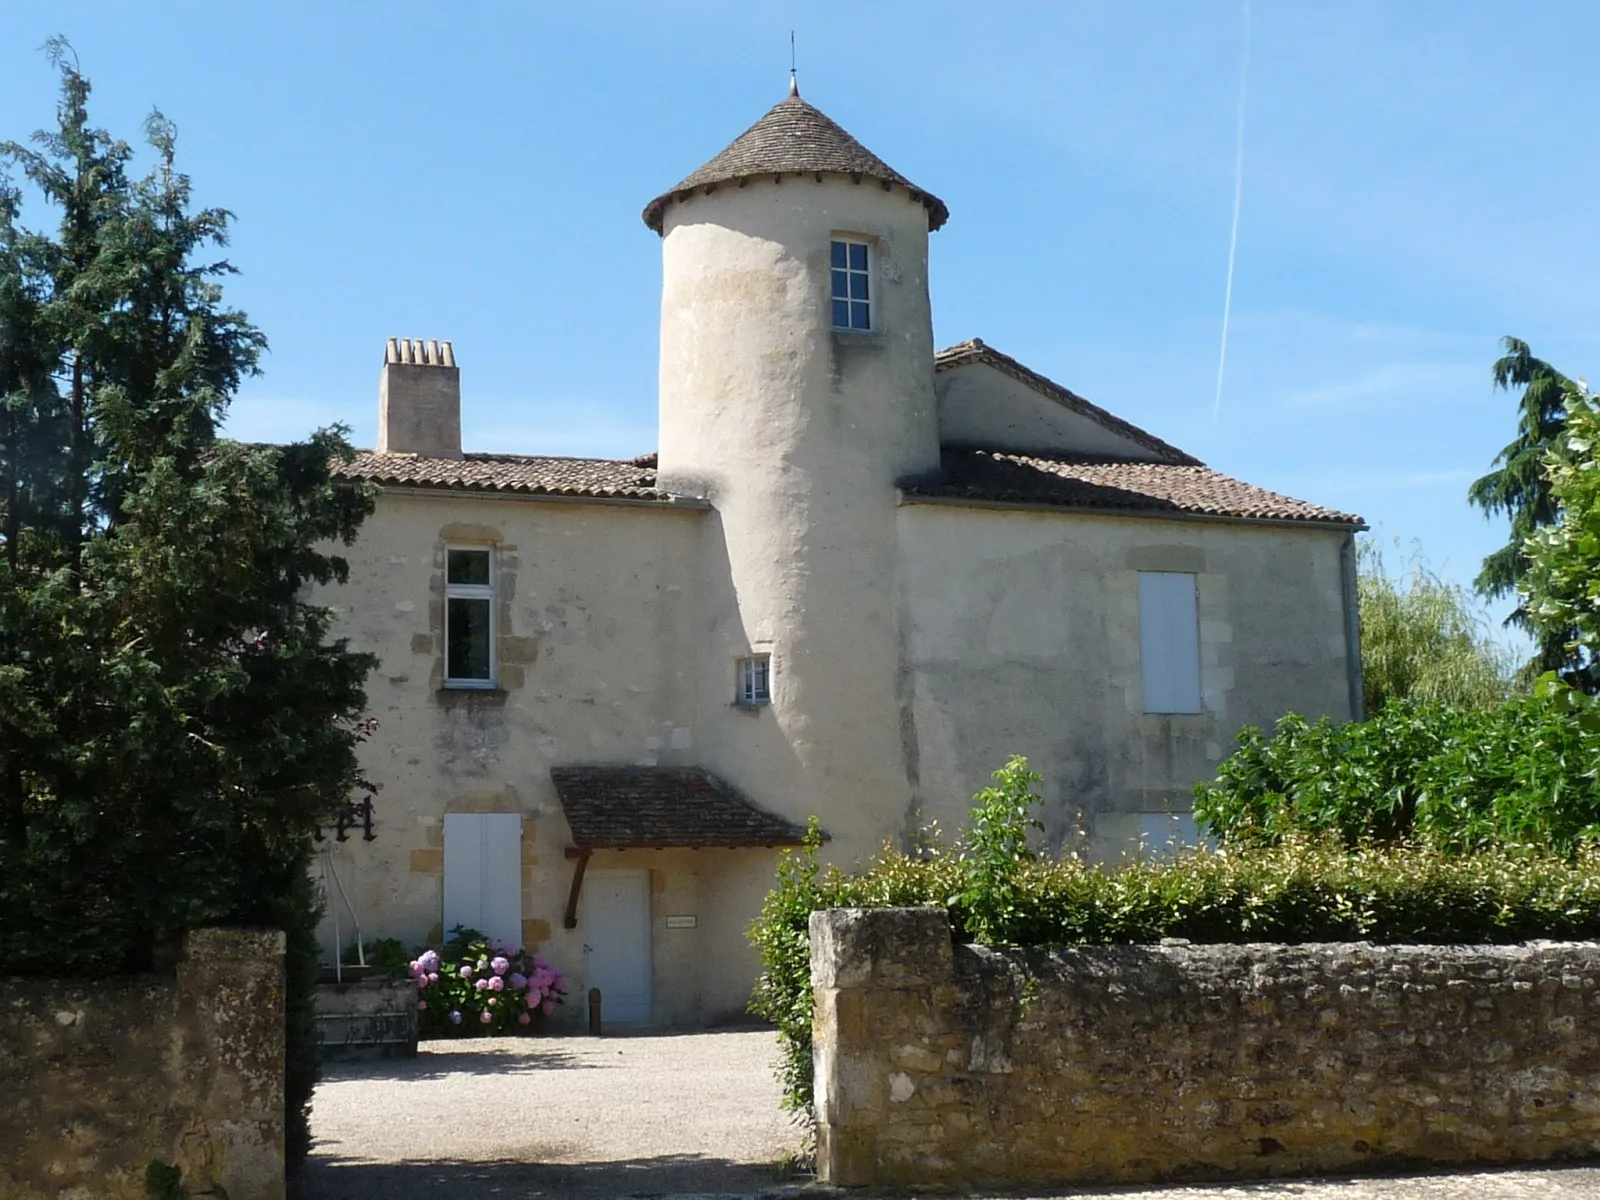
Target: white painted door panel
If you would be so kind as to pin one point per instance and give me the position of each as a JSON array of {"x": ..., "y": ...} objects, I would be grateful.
[
  {"x": 483, "y": 874},
  {"x": 615, "y": 924}
]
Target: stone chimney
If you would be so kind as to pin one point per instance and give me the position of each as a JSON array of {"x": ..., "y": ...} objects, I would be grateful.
[{"x": 419, "y": 399}]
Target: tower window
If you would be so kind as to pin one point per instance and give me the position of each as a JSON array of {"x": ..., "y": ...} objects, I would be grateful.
[
  {"x": 852, "y": 283},
  {"x": 755, "y": 679}
]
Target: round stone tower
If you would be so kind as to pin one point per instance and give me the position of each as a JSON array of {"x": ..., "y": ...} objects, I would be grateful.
[{"x": 796, "y": 392}]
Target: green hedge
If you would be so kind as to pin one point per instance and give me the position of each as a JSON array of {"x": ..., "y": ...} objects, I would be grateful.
[
  {"x": 1296, "y": 889},
  {"x": 1525, "y": 772}
]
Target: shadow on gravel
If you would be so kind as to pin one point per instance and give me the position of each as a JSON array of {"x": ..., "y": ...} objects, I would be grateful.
[
  {"x": 334, "y": 1178},
  {"x": 436, "y": 1064}
]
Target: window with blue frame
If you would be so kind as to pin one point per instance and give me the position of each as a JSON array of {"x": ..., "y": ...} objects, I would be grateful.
[{"x": 852, "y": 285}]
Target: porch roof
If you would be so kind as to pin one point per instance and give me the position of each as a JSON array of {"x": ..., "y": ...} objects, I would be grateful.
[{"x": 661, "y": 807}]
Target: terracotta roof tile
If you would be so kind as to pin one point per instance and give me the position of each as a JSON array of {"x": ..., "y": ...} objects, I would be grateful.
[
  {"x": 978, "y": 351},
  {"x": 794, "y": 138},
  {"x": 662, "y": 806},
  {"x": 530, "y": 474},
  {"x": 1153, "y": 489}
]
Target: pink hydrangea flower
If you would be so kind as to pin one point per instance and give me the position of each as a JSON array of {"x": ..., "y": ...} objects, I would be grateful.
[
  {"x": 422, "y": 1006},
  {"x": 429, "y": 961},
  {"x": 481, "y": 985},
  {"x": 466, "y": 972},
  {"x": 433, "y": 977},
  {"x": 496, "y": 983},
  {"x": 499, "y": 966},
  {"x": 485, "y": 1017},
  {"x": 523, "y": 1018},
  {"x": 548, "y": 1007}
]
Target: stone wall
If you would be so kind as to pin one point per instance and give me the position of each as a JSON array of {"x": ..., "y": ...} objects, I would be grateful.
[
  {"x": 952, "y": 1064},
  {"x": 103, "y": 1077}
]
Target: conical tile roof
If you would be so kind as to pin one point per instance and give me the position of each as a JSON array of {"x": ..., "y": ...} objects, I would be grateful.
[{"x": 794, "y": 138}]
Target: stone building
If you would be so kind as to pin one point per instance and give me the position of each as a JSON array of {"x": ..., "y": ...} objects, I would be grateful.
[{"x": 857, "y": 575}]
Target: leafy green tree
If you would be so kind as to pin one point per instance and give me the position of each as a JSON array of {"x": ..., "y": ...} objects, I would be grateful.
[
  {"x": 1422, "y": 639},
  {"x": 1561, "y": 589},
  {"x": 1519, "y": 489},
  {"x": 175, "y": 719}
]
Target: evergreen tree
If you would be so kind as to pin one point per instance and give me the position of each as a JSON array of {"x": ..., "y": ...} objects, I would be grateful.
[
  {"x": 175, "y": 718},
  {"x": 1519, "y": 489},
  {"x": 1561, "y": 589}
]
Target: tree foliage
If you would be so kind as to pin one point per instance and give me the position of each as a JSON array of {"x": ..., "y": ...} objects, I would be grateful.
[
  {"x": 1423, "y": 640},
  {"x": 1519, "y": 489},
  {"x": 1561, "y": 589},
  {"x": 1524, "y": 772},
  {"x": 175, "y": 719}
]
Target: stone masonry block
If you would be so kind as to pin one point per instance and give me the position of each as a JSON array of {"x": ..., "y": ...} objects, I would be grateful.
[
  {"x": 880, "y": 947},
  {"x": 427, "y": 862}
]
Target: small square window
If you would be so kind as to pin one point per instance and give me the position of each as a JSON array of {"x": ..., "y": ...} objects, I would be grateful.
[
  {"x": 469, "y": 618},
  {"x": 850, "y": 285},
  {"x": 755, "y": 679}
]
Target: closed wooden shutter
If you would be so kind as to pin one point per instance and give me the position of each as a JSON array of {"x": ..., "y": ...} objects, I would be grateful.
[
  {"x": 1169, "y": 642},
  {"x": 483, "y": 874}
]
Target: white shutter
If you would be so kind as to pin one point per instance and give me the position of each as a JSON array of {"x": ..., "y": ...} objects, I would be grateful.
[
  {"x": 1169, "y": 642},
  {"x": 483, "y": 874}
]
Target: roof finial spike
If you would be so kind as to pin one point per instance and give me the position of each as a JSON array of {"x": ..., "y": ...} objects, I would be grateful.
[{"x": 794, "y": 80}]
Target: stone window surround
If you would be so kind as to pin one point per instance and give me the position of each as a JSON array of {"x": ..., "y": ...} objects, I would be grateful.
[{"x": 514, "y": 654}]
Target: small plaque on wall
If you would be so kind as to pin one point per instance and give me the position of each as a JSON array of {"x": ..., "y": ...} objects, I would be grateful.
[{"x": 684, "y": 922}]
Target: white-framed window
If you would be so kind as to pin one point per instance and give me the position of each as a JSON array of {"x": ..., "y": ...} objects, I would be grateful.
[
  {"x": 1169, "y": 642},
  {"x": 469, "y": 617},
  {"x": 754, "y": 675},
  {"x": 851, "y": 289}
]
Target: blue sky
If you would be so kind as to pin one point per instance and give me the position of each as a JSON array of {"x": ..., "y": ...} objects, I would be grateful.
[{"x": 1418, "y": 181}]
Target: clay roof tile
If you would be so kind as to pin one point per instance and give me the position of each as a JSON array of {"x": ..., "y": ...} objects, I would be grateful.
[{"x": 793, "y": 138}]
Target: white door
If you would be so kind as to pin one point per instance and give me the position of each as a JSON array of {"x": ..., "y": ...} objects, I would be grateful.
[
  {"x": 615, "y": 924},
  {"x": 483, "y": 874}
]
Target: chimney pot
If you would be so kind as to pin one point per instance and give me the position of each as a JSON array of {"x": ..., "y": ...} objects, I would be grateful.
[{"x": 419, "y": 399}]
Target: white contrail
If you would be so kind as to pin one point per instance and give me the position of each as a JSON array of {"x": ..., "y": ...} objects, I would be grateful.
[{"x": 1238, "y": 197}]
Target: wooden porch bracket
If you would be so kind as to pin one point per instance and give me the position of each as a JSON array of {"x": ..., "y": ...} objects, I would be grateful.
[{"x": 582, "y": 855}]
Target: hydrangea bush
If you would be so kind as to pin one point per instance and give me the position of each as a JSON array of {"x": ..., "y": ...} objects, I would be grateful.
[{"x": 475, "y": 986}]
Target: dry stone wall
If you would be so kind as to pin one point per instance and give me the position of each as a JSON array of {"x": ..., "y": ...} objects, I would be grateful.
[
  {"x": 103, "y": 1077},
  {"x": 942, "y": 1064}
]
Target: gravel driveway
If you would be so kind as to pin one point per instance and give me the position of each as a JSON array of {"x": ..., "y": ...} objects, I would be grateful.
[
  {"x": 670, "y": 1115},
  {"x": 552, "y": 1117}
]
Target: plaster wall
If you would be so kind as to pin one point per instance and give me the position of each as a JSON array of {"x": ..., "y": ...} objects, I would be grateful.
[
  {"x": 599, "y": 611},
  {"x": 980, "y": 406},
  {"x": 1020, "y": 635},
  {"x": 796, "y": 434}
]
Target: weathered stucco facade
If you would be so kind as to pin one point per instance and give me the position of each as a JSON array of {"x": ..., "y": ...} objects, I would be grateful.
[
  {"x": 857, "y": 576},
  {"x": 1021, "y": 636}
]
